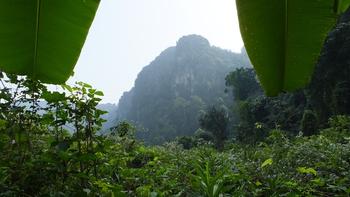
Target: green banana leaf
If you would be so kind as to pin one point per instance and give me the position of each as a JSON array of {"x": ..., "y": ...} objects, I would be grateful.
[
  {"x": 43, "y": 38},
  {"x": 283, "y": 38},
  {"x": 341, "y": 6}
]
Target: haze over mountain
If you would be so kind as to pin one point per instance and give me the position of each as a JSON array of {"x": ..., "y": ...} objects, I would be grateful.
[
  {"x": 127, "y": 35},
  {"x": 110, "y": 116},
  {"x": 170, "y": 92}
]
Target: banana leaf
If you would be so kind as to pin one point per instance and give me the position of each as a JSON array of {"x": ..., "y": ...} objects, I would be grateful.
[
  {"x": 43, "y": 38},
  {"x": 283, "y": 38}
]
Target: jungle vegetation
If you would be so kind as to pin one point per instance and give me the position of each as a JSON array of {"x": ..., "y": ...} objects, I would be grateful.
[{"x": 244, "y": 144}]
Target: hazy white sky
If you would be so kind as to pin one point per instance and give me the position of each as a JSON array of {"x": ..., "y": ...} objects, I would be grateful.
[{"x": 128, "y": 34}]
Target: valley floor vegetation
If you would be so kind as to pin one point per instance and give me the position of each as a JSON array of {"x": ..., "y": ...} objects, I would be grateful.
[{"x": 50, "y": 146}]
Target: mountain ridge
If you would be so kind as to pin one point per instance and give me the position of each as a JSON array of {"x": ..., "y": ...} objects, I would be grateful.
[{"x": 170, "y": 92}]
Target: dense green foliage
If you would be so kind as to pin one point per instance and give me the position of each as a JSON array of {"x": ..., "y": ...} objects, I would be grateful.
[
  {"x": 296, "y": 144},
  {"x": 170, "y": 92},
  {"x": 43, "y": 39},
  {"x": 215, "y": 121},
  {"x": 38, "y": 153},
  {"x": 257, "y": 113},
  {"x": 40, "y": 158},
  {"x": 305, "y": 110},
  {"x": 330, "y": 86},
  {"x": 50, "y": 147},
  {"x": 243, "y": 83}
]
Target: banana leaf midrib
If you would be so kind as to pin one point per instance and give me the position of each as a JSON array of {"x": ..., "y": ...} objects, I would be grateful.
[
  {"x": 36, "y": 40},
  {"x": 43, "y": 38},
  {"x": 283, "y": 38}
]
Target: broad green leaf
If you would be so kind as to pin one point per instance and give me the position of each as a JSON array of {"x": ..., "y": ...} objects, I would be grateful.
[
  {"x": 304, "y": 170},
  {"x": 267, "y": 162},
  {"x": 43, "y": 38},
  {"x": 99, "y": 93},
  {"x": 258, "y": 183},
  {"x": 3, "y": 124},
  {"x": 67, "y": 87},
  {"x": 53, "y": 96},
  {"x": 341, "y": 5},
  {"x": 284, "y": 38}
]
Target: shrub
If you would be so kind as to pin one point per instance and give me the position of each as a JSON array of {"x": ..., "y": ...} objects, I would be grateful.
[{"x": 309, "y": 123}]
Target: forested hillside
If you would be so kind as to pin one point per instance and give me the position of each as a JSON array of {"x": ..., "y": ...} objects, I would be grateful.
[
  {"x": 330, "y": 85},
  {"x": 169, "y": 94}
]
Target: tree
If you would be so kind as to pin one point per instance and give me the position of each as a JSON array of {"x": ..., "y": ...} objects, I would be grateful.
[
  {"x": 309, "y": 123},
  {"x": 244, "y": 83},
  {"x": 254, "y": 109},
  {"x": 329, "y": 90},
  {"x": 215, "y": 120}
]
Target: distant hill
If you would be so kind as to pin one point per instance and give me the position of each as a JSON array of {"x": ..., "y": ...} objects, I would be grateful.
[
  {"x": 170, "y": 92},
  {"x": 110, "y": 117}
]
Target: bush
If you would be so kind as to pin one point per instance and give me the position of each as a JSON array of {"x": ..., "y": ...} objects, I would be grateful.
[
  {"x": 41, "y": 157},
  {"x": 309, "y": 123},
  {"x": 339, "y": 130}
]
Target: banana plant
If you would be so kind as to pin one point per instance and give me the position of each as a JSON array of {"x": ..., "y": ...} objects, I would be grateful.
[
  {"x": 43, "y": 38},
  {"x": 283, "y": 38}
]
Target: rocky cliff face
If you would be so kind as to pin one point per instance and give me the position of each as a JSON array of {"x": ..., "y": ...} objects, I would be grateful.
[
  {"x": 330, "y": 86},
  {"x": 170, "y": 92},
  {"x": 110, "y": 116}
]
